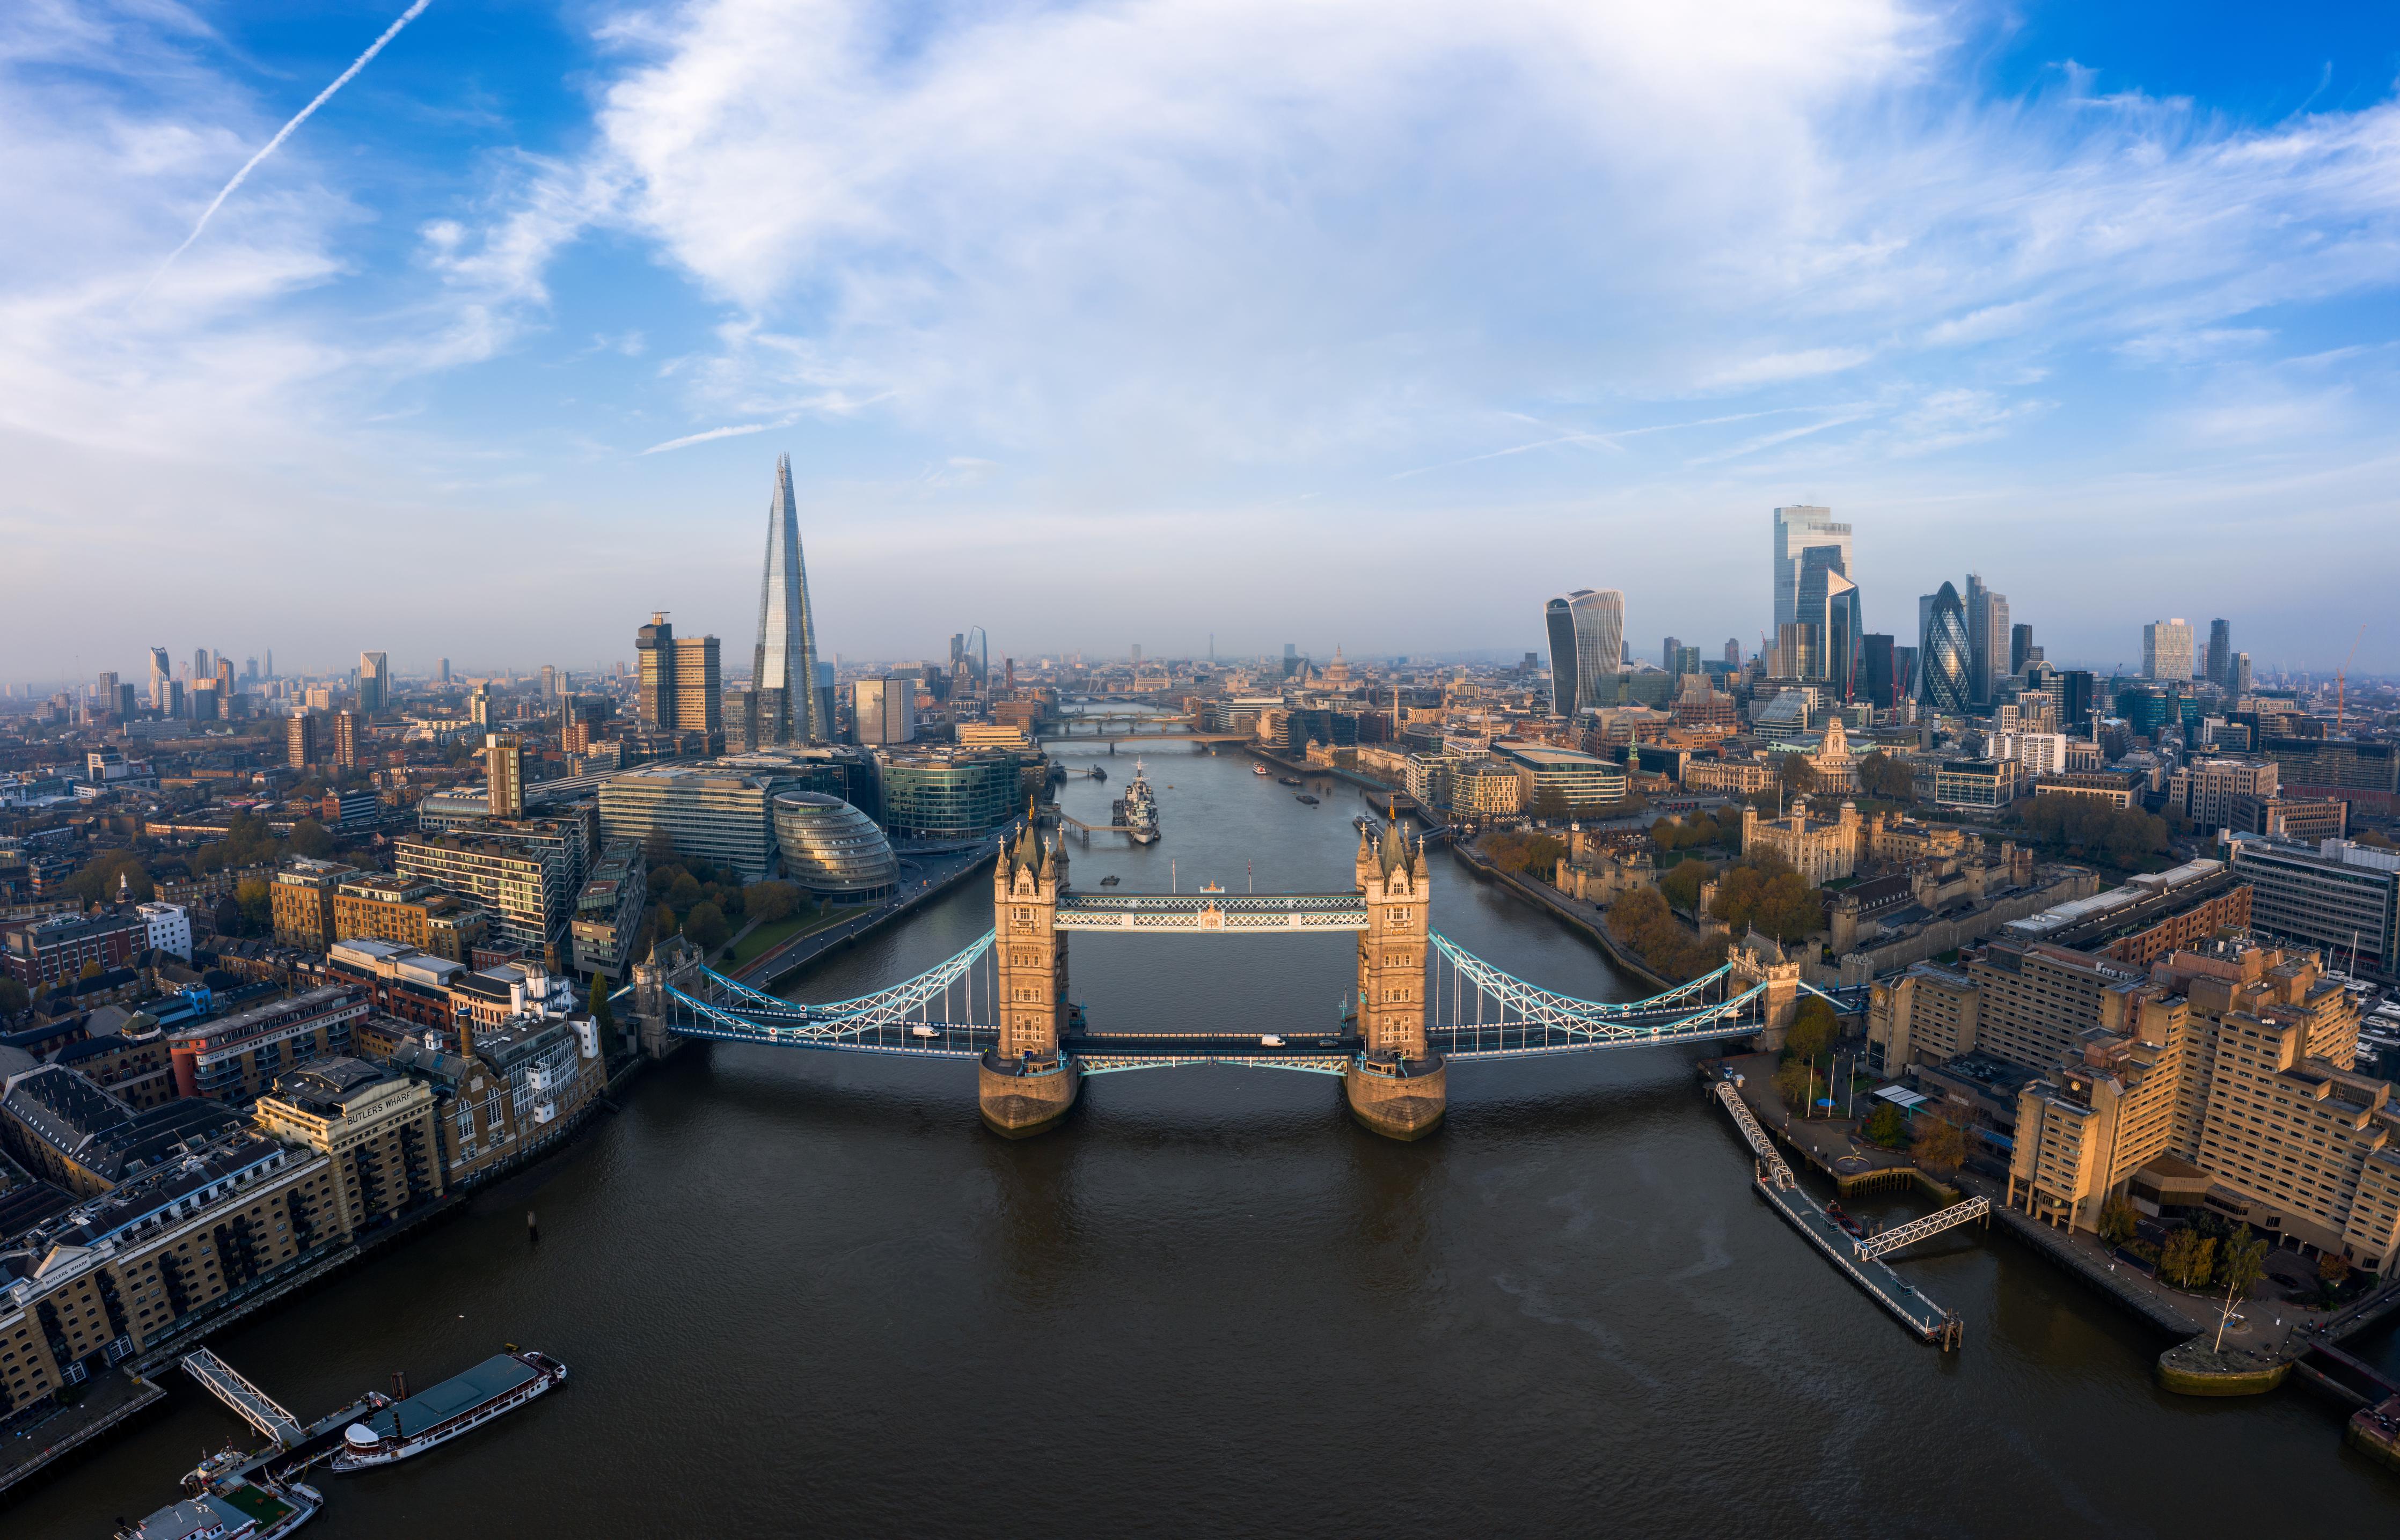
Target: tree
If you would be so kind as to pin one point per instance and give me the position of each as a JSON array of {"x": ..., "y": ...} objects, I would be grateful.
[
  {"x": 1886, "y": 776},
  {"x": 1814, "y": 1026},
  {"x": 309, "y": 838},
  {"x": 1795, "y": 1081},
  {"x": 2243, "y": 1262},
  {"x": 13, "y": 997},
  {"x": 769, "y": 902},
  {"x": 97, "y": 883},
  {"x": 2188, "y": 1258},
  {"x": 604, "y": 1019},
  {"x": 1887, "y": 1125},
  {"x": 2117, "y": 1220},
  {"x": 90, "y": 970},
  {"x": 684, "y": 891},
  {"x": 706, "y": 927},
  {"x": 1940, "y": 1145},
  {"x": 255, "y": 899},
  {"x": 2333, "y": 1270},
  {"x": 1681, "y": 886}
]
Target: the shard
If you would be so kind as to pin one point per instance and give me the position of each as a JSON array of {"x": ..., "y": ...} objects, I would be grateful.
[{"x": 790, "y": 710}]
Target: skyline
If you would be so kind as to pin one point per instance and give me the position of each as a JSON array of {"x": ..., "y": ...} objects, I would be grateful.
[{"x": 2081, "y": 303}]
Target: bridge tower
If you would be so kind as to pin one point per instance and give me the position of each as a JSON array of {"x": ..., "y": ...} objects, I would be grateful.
[
  {"x": 1759, "y": 959},
  {"x": 1027, "y": 1084},
  {"x": 1397, "y": 1086}
]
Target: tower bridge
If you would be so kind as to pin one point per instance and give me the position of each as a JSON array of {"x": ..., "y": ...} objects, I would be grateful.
[{"x": 1418, "y": 998}]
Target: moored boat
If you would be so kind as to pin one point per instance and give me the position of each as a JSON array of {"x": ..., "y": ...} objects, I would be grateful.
[
  {"x": 238, "y": 1510},
  {"x": 1261, "y": 769},
  {"x": 498, "y": 1385}
]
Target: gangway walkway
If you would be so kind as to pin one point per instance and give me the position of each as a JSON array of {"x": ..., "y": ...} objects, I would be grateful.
[
  {"x": 1772, "y": 1167},
  {"x": 1925, "y": 1320},
  {"x": 249, "y": 1403},
  {"x": 1930, "y": 1225}
]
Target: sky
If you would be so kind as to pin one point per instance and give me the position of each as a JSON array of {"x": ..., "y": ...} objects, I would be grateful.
[{"x": 1354, "y": 321}]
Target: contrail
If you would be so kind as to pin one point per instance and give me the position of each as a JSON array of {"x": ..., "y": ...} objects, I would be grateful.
[{"x": 285, "y": 132}]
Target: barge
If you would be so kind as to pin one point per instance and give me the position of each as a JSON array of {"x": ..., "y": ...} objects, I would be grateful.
[{"x": 493, "y": 1388}]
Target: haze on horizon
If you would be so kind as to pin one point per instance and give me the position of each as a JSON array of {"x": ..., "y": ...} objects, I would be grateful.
[{"x": 1105, "y": 323}]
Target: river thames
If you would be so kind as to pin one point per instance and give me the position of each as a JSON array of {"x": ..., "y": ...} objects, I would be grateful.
[{"x": 807, "y": 1293}]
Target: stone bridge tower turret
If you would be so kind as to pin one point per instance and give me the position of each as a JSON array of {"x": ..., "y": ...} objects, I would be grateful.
[
  {"x": 1397, "y": 1086},
  {"x": 1027, "y": 1084}
]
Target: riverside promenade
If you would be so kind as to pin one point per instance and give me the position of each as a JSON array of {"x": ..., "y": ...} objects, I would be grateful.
[{"x": 931, "y": 878}]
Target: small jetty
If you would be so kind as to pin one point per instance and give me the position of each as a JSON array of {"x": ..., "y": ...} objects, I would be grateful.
[
  {"x": 1858, "y": 1258},
  {"x": 295, "y": 1445}
]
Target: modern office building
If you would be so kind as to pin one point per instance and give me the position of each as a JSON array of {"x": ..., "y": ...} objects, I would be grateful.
[
  {"x": 700, "y": 693},
  {"x": 1987, "y": 640},
  {"x": 2364, "y": 773},
  {"x": 1798, "y": 530},
  {"x": 947, "y": 794},
  {"x": 375, "y": 682},
  {"x": 2166, "y": 649},
  {"x": 1587, "y": 635},
  {"x": 712, "y": 811},
  {"x": 2218, "y": 665},
  {"x": 1560, "y": 782},
  {"x": 1944, "y": 659},
  {"x": 162, "y": 674},
  {"x": 2212, "y": 792},
  {"x": 784, "y": 673},
  {"x": 654, "y": 661},
  {"x": 2021, "y": 648},
  {"x": 1827, "y": 606},
  {"x": 885, "y": 710},
  {"x": 832, "y": 849},
  {"x": 1878, "y": 682},
  {"x": 2341, "y": 898}
]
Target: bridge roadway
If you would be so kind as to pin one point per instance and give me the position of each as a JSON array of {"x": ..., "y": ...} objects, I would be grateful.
[{"x": 1331, "y": 1046}]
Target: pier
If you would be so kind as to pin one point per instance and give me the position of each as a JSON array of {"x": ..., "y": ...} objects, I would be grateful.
[
  {"x": 295, "y": 1446},
  {"x": 1860, "y": 1262}
]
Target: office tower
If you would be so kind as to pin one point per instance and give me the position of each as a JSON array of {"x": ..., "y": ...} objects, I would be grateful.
[
  {"x": 504, "y": 774},
  {"x": 2241, "y": 673},
  {"x": 1667, "y": 650},
  {"x": 789, "y": 711},
  {"x": 738, "y": 710},
  {"x": 1685, "y": 661},
  {"x": 2217, "y": 666},
  {"x": 654, "y": 656},
  {"x": 1587, "y": 633},
  {"x": 345, "y": 740},
  {"x": 270, "y": 662},
  {"x": 2166, "y": 649},
  {"x": 107, "y": 691},
  {"x": 478, "y": 706},
  {"x": 2076, "y": 691},
  {"x": 300, "y": 741},
  {"x": 1799, "y": 530},
  {"x": 1943, "y": 654},
  {"x": 1137, "y": 655},
  {"x": 549, "y": 683},
  {"x": 162, "y": 674},
  {"x": 1794, "y": 656},
  {"x": 1732, "y": 653},
  {"x": 885, "y": 709},
  {"x": 202, "y": 668},
  {"x": 698, "y": 697},
  {"x": 375, "y": 682},
  {"x": 441, "y": 670},
  {"x": 125, "y": 703},
  {"x": 1828, "y": 605},
  {"x": 2021, "y": 648},
  {"x": 1904, "y": 674},
  {"x": 1987, "y": 640},
  {"x": 249, "y": 669},
  {"x": 225, "y": 683},
  {"x": 1874, "y": 672}
]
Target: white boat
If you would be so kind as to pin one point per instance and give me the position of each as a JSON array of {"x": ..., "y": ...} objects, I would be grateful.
[
  {"x": 1139, "y": 810},
  {"x": 493, "y": 1388},
  {"x": 238, "y": 1510}
]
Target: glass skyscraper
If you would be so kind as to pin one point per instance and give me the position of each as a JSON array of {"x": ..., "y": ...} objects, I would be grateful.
[
  {"x": 1828, "y": 605},
  {"x": 1799, "y": 530},
  {"x": 790, "y": 709},
  {"x": 1944, "y": 659},
  {"x": 1587, "y": 633}
]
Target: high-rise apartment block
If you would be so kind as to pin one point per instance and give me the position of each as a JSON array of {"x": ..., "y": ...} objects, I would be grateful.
[
  {"x": 375, "y": 682},
  {"x": 2166, "y": 649},
  {"x": 300, "y": 741},
  {"x": 504, "y": 774},
  {"x": 345, "y": 740}
]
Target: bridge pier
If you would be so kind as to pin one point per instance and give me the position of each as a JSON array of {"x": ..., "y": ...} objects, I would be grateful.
[
  {"x": 1400, "y": 1099},
  {"x": 1024, "y": 1096}
]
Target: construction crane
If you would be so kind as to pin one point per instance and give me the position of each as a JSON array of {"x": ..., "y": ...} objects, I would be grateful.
[{"x": 2341, "y": 680}]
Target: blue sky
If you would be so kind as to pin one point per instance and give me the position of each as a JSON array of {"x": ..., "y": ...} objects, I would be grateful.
[{"x": 1093, "y": 324}]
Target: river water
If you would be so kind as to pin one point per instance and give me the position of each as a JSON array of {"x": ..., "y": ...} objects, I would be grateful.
[{"x": 807, "y": 1293}]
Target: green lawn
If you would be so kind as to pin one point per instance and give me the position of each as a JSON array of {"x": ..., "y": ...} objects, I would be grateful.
[{"x": 766, "y": 937}]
